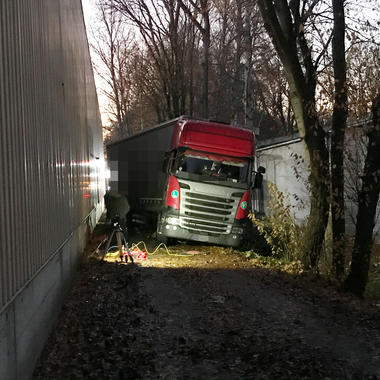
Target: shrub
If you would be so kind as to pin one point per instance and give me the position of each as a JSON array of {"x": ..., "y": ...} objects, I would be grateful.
[{"x": 279, "y": 228}]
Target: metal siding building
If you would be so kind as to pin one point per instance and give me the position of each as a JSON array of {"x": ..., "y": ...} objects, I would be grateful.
[{"x": 51, "y": 156}]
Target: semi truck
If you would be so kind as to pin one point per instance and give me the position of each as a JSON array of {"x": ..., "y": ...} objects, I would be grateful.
[{"x": 194, "y": 176}]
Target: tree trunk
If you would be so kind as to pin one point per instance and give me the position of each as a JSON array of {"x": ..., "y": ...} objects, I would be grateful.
[
  {"x": 206, "y": 58},
  {"x": 339, "y": 120},
  {"x": 285, "y": 26},
  {"x": 205, "y": 64},
  {"x": 368, "y": 199},
  {"x": 317, "y": 157},
  {"x": 320, "y": 189},
  {"x": 204, "y": 29}
]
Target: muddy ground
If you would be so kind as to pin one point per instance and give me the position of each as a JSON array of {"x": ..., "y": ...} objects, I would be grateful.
[{"x": 209, "y": 315}]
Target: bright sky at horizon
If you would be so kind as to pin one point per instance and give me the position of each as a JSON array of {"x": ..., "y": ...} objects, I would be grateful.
[
  {"x": 89, "y": 9},
  {"x": 90, "y": 16}
]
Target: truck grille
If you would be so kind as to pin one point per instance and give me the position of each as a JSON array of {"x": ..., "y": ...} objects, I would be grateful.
[{"x": 206, "y": 214}]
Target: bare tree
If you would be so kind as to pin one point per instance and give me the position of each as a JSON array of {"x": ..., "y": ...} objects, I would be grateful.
[
  {"x": 286, "y": 24},
  {"x": 363, "y": 71},
  {"x": 231, "y": 61},
  {"x": 192, "y": 9},
  {"x": 168, "y": 52},
  {"x": 115, "y": 49},
  {"x": 368, "y": 201},
  {"x": 164, "y": 32},
  {"x": 247, "y": 85}
]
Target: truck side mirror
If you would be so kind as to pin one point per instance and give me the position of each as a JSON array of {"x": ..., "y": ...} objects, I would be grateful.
[
  {"x": 258, "y": 181},
  {"x": 261, "y": 170},
  {"x": 259, "y": 177}
]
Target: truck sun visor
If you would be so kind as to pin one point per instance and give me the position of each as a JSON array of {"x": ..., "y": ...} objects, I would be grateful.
[
  {"x": 214, "y": 157},
  {"x": 214, "y": 138}
]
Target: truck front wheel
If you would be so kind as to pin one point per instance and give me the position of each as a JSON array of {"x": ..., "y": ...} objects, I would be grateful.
[{"x": 164, "y": 239}]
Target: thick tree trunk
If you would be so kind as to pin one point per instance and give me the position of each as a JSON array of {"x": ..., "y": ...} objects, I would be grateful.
[
  {"x": 317, "y": 157},
  {"x": 320, "y": 189},
  {"x": 339, "y": 120},
  {"x": 368, "y": 199},
  {"x": 285, "y": 25}
]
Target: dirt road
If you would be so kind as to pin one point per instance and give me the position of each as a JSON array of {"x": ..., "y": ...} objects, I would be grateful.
[{"x": 212, "y": 315}]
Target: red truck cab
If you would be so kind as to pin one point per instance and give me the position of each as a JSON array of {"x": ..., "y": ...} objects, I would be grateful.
[{"x": 209, "y": 180}]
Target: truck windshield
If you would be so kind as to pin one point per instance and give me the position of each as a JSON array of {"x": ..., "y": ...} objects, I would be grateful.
[{"x": 207, "y": 167}]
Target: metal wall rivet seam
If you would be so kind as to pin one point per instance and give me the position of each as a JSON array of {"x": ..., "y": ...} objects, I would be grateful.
[
  {"x": 18, "y": 143},
  {"x": 3, "y": 260},
  {"x": 8, "y": 149},
  {"x": 22, "y": 111}
]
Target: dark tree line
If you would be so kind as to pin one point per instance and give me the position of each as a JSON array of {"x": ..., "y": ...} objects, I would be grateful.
[{"x": 203, "y": 58}]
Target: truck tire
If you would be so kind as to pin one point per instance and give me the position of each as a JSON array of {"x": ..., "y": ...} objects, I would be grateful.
[{"x": 164, "y": 239}]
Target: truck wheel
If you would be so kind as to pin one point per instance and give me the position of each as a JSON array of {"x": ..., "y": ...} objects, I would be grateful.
[{"x": 164, "y": 239}]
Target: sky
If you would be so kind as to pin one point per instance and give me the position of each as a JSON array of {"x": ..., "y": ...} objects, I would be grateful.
[
  {"x": 89, "y": 10},
  {"x": 90, "y": 17}
]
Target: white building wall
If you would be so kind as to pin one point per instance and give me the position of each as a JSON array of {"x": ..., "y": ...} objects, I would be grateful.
[{"x": 289, "y": 176}]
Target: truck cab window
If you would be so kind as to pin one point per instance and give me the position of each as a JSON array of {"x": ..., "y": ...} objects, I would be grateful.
[{"x": 206, "y": 167}]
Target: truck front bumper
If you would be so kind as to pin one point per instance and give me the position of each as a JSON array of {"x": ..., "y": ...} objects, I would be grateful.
[{"x": 235, "y": 239}]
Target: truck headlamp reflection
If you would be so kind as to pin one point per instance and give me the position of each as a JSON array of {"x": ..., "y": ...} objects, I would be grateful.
[{"x": 172, "y": 220}]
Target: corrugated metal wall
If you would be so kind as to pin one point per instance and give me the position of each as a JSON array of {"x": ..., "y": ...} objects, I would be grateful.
[{"x": 50, "y": 136}]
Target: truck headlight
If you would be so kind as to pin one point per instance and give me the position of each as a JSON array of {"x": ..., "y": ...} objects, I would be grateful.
[
  {"x": 172, "y": 220},
  {"x": 237, "y": 230}
]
